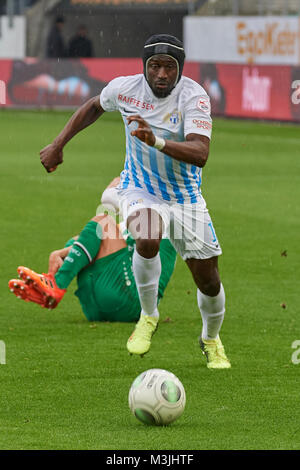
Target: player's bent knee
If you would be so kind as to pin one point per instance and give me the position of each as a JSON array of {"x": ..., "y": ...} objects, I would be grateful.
[
  {"x": 209, "y": 287},
  {"x": 147, "y": 248},
  {"x": 208, "y": 282}
]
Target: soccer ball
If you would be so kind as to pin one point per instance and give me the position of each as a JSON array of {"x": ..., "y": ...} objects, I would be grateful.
[{"x": 157, "y": 397}]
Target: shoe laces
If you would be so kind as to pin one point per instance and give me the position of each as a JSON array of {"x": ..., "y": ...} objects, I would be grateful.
[
  {"x": 216, "y": 350},
  {"x": 143, "y": 327}
]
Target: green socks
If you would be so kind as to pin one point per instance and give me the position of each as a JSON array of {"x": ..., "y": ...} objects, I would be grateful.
[{"x": 82, "y": 253}]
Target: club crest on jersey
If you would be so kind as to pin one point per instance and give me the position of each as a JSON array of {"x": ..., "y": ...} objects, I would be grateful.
[{"x": 174, "y": 117}]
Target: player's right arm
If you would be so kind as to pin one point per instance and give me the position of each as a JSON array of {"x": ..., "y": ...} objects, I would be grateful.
[{"x": 89, "y": 112}]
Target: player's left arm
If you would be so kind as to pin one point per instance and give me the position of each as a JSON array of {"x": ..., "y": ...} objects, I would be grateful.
[{"x": 194, "y": 149}]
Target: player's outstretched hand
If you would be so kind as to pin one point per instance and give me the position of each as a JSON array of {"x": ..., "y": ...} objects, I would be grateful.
[
  {"x": 55, "y": 262},
  {"x": 51, "y": 156},
  {"x": 144, "y": 131},
  {"x": 57, "y": 257}
]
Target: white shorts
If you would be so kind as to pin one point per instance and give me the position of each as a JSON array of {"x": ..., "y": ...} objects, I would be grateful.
[{"x": 188, "y": 226}]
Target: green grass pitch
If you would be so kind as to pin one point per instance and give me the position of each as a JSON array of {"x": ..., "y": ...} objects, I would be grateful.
[{"x": 65, "y": 382}]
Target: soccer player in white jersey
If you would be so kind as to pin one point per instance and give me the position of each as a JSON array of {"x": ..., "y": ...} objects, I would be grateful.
[{"x": 168, "y": 128}]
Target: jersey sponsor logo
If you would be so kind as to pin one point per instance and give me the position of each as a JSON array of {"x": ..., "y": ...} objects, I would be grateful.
[
  {"x": 203, "y": 105},
  {"x": 136, "y": 103},
  {"x": 202, "y": 124},
  {"x": 174, "y": 117}
]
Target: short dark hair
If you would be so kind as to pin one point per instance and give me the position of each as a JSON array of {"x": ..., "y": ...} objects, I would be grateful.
[{"x": 164, "y": 44}]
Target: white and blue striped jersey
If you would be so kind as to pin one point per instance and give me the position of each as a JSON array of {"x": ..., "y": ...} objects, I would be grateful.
[{"x": 185, "y": 111}]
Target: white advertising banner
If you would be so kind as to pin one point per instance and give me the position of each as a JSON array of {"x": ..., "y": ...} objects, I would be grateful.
[
  {"x": 243, "y": 39},
  {"x": 12, "y": 38}
]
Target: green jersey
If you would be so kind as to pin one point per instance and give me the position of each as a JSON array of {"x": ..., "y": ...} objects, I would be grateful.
[{"x": 107, "y": 289}]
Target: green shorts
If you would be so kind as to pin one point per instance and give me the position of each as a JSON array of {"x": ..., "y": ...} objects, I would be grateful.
[{"x": 107, "y": 289}]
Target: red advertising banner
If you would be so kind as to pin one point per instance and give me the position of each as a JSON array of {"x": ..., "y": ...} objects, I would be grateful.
[
  {"x": 5, "y": 74},
  {"x": 251, "y": 91},
  {"x": 256, "y": 92}
]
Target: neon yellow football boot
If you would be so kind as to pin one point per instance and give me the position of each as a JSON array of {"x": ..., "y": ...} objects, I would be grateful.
[
  {"x": 215, "y": 353},
  {"x": 140, "y": 340}
]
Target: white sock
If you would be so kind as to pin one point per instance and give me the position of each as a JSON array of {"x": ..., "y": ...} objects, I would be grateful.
[
  {"x": 147, "y": 273},
  {"x": 212, "y": 312}
]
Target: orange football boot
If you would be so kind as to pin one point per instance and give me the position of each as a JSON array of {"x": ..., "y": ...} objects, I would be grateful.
[
  {"x": 26, "y": 292},
  {"x": 45, "y": 284}
]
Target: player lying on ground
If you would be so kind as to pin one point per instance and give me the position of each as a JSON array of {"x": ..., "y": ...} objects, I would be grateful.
[{"x": 101, "y": 258}]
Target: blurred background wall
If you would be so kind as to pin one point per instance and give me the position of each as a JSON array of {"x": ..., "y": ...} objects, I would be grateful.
[
  {"x": 246, "y": 55},
  {"x": 117, "y": 28}
]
